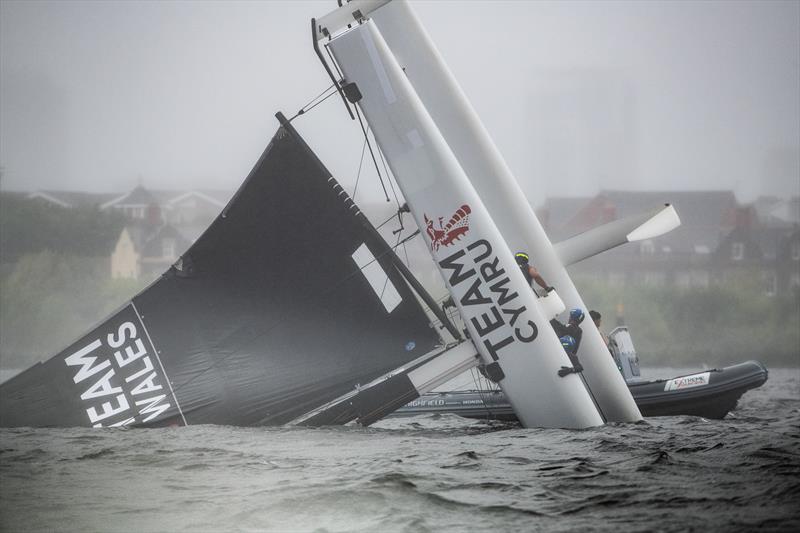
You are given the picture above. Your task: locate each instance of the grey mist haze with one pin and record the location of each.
(578, 96)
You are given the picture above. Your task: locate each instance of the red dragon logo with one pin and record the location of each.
(457, 226)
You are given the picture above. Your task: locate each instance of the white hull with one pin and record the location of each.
(506, 324)
(500, 192)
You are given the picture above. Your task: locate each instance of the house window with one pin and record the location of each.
(796, 251)
(700, 278)
(701, 249)
(168, 248)
(655, 279)
(737, 251)
(794, 281)
(616, 279)
(647, 247)
(770, 283)
(683, 280)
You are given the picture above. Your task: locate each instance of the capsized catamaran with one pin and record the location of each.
(291, 308)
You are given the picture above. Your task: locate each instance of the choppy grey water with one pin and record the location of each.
(435, 473)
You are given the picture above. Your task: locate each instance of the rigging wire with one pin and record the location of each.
(480, 382)
(309, 107)
(317, 100)
(406, 239)
(594, 400)
(331, 86)
(405, 252)
(388, 177)
(386, 282)
(371, 153)
(315, 105)
(360, 164)
(379, 226)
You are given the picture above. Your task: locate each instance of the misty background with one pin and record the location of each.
(579, 97)
(101, 96)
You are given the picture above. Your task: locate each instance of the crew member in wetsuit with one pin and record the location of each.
(596, 318)
(572, 330)
(530, 272)
(571, 347)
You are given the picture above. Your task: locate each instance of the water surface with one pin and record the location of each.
(435, 473)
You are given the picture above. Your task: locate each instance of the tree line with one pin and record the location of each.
(54, 276)
(55, 285)
(32, 225)
(715, 326)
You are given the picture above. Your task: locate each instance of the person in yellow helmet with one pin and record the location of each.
(530, 272)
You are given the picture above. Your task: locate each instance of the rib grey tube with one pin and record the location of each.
(491, 177)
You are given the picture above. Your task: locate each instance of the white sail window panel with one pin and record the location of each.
(377, 278)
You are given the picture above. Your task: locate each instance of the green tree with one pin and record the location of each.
(51, 299)
(718, 325)
(30, 226)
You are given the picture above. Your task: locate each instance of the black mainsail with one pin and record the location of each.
(266, 317)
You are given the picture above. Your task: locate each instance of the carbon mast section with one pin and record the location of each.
(268, 316)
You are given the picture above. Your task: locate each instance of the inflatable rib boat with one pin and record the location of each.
(709, 393)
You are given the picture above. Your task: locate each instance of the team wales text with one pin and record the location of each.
(118, 374)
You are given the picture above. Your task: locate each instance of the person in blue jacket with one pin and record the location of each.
(569, 345)
(570, 336)
(571, 328)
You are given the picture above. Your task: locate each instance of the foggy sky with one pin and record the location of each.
(578, 96)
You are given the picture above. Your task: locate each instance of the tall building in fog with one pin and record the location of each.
(583, 131)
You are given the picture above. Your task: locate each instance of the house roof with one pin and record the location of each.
(217, 198)
(557, 211)
(695, 208)
(705, 216)
(778, 212)
(140, 196)
(72, 198)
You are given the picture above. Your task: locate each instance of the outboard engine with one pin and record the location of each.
(621, 346)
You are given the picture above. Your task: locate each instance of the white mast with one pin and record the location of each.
(502, 314)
